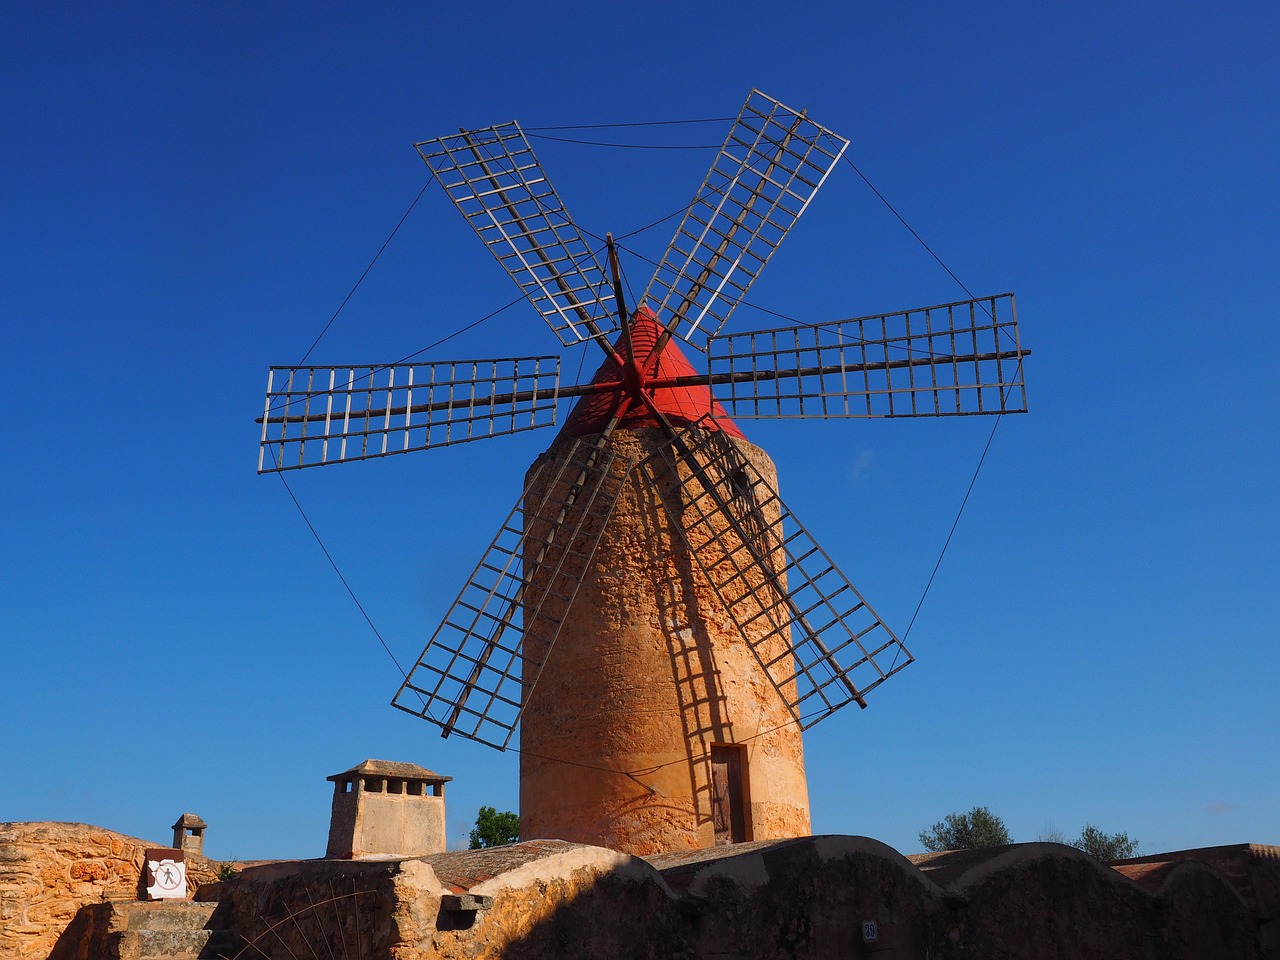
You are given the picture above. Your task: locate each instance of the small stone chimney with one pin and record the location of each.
(188, 835)
(386, 809)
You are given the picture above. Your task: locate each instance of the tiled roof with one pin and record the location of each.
(392, 768)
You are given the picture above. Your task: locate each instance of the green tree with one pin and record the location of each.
(1105, 846)
(494, 829)
(966, 831)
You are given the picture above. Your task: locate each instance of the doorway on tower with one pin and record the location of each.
(730, 809)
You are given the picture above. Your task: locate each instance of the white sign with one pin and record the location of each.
(870, 931)
(168, 879)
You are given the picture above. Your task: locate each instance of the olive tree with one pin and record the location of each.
(966, 831)
(1105, 846)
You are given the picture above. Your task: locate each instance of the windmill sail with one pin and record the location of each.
(820, 643)
(317, 415)
(810, 632)
(497, 184)
(477, 671)
(772, 163)
(952, 359)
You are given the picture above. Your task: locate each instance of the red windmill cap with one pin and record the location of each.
(680, 404)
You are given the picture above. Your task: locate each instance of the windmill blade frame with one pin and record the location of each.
(494, 179)
(951, 359)
(775, 581)
(316, 415)
(773, 161)
(479, 668)
(809, 630)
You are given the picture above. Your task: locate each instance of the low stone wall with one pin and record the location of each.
(551, 898)
(807, 898)
(1046, 900)
(776, 900)
(544, 898)
(48, 871)
(804, 899)
(1253, 869)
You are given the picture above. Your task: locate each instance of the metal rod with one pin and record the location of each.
(623, 318)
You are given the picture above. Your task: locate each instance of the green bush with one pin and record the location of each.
(494, 829)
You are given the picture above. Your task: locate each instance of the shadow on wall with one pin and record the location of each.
(825, 898)
(816, 898)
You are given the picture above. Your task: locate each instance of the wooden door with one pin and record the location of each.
(728, 800)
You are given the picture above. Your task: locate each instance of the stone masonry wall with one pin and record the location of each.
(542, 899)
(648, 672)
(802, 899)
(48, 871)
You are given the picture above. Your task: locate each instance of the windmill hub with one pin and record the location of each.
(644, 388)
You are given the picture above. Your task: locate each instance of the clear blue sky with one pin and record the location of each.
(190, 190)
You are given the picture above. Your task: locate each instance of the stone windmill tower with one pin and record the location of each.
(650, 611)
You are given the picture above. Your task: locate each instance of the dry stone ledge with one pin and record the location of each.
(159, 930)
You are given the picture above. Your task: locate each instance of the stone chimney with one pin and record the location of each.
(188, 835)
(386, 809)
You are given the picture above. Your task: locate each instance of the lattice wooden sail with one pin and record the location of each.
(947, 360)
(812, 632)
(816, 638)
(468, 679)
(317, 415)
(497, 184)
(772, 163)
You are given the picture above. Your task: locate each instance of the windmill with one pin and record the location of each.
(650, 612)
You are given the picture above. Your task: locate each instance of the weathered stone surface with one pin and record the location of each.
(140, 930)
(806, 898)
(1047, 900)
(1252, 868)
(547, 898)
(572, 900)
(801, 899)
(297, 908)
(48, 871)
(648, 673)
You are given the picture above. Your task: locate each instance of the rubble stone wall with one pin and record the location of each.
(48, 871)
(803, 899)
(545, 899)
(298, 909)
(648, 672)
(809, 898)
